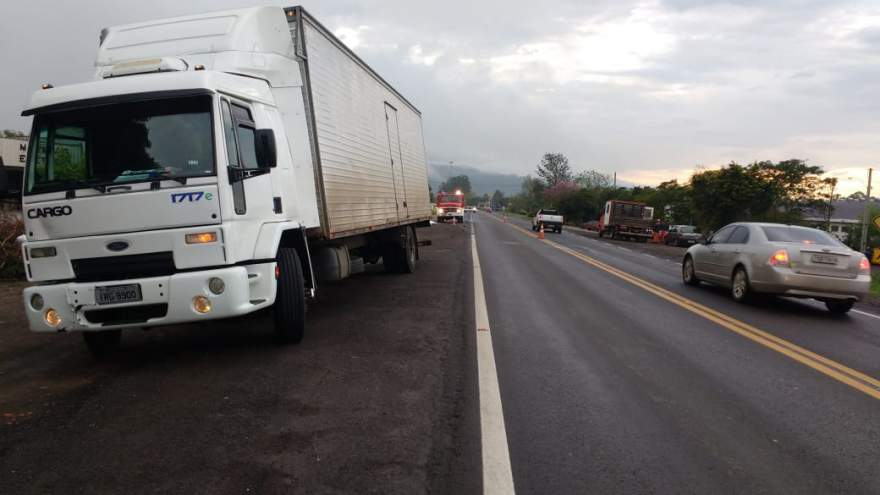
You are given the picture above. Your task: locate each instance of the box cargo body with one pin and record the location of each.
(369, 152)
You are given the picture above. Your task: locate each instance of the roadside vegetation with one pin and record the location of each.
(761, 191)
(11, 266)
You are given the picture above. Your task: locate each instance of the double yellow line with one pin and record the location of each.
(855, 379)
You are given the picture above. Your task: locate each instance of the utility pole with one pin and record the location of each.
(615, 180)
(865, 218)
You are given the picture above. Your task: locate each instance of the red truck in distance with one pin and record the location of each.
(450, 206)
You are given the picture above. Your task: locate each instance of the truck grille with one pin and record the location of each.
(123, 267)
(126, 314)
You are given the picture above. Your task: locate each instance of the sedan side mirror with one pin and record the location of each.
(265, 147)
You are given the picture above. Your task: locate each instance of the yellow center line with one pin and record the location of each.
(855, 379)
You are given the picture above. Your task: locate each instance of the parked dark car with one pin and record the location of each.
(592, 225)
(682, 235)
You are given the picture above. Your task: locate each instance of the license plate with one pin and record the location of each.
(115, 294)
(826, 259)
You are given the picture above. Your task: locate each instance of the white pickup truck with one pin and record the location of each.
(549, 218)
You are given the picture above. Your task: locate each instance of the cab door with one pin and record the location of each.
(252, 193)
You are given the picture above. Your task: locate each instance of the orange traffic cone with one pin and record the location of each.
(541, 232)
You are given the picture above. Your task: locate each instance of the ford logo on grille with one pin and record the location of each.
(117, 246)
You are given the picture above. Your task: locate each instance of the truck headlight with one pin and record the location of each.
(43, 252)
(439, 211)
(37, 302)
(53, 319)
(216, 285)
(201, 304)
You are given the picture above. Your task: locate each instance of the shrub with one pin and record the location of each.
(10, 251)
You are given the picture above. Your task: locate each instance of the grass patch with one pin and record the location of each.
(875, 283)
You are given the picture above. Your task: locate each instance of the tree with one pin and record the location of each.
(554, 169)
(591, 179)
(530, 198)
(498, 199)
(9, 133)
(458, 183)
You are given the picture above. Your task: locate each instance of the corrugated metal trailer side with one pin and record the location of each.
(370, 163)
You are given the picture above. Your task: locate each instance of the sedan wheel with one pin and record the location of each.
(839, 307)
(688, 274)
(740, 286)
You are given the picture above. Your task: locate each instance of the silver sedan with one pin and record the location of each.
(780, 259)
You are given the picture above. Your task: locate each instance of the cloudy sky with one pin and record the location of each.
(649, 89)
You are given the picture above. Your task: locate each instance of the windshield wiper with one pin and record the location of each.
(164, 175)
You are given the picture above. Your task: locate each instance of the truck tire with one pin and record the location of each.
(400, 257)
(102, 344)
(290, 298)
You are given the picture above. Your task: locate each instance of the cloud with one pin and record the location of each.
(647, 88)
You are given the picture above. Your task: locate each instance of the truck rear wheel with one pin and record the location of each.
(102, 344)
(400, 256)
(290, 298)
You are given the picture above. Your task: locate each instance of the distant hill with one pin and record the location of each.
(481, 182)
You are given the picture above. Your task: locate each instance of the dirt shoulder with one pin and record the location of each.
(370, 402)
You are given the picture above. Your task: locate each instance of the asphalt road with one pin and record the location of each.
(608, 384)
(375, 400)
(608, 388)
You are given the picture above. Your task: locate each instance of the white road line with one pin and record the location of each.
(497, 475)
(872, 315)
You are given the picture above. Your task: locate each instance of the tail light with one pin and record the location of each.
(865, 265)
(779, 258)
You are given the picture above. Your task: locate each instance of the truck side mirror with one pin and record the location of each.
(265, 147)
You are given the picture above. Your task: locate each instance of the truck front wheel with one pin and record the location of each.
(102, 344)
(290, 298)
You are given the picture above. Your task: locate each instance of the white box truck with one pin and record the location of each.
(217, 165)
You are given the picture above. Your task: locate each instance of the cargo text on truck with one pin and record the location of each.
(219, 164)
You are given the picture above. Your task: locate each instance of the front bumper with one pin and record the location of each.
(247, 289)
(786, 282)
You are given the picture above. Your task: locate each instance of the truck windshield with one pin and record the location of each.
(121, 143)
(452, 198)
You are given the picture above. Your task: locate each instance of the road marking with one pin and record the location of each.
(497, 475)
(855, 379)
(872, 315)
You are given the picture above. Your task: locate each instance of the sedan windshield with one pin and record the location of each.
(799, 235)
(121, 143)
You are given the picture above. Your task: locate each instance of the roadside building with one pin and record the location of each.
(13, 154)
(845, 213)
